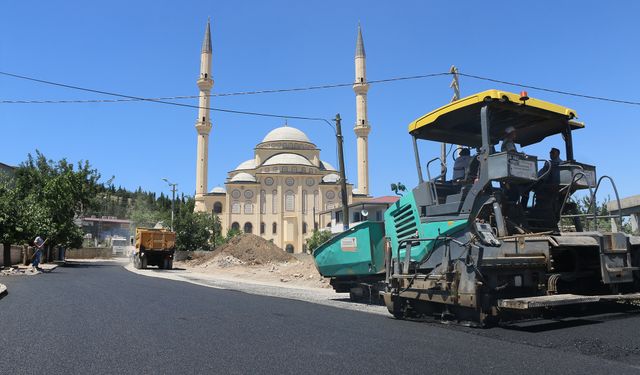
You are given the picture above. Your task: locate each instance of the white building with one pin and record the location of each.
(279, 192)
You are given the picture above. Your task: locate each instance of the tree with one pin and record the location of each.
(10, 223)
(317, 238)
(43, 198)
(196, 230)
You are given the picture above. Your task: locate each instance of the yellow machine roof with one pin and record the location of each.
(459, 122)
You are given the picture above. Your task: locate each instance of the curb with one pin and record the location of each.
(3, 290)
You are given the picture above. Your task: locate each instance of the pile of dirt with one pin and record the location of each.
(253, 250)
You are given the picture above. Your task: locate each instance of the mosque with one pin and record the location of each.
(279, 192)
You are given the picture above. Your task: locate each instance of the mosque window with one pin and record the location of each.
(217, 208)
(290, 181)
(316, 195)
(304, 228)
(304, 202)
(289, 201)
(268, 181)
(248, 194)
(274, 228)
(248, 208)
(235, 208)
(236, 194)
(235, 226)
(262, 226)
(274, 201)
(330, 194)
(263, 202)
(310, 181)
(248, 227)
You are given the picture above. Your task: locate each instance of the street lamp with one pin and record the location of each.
(173, 198)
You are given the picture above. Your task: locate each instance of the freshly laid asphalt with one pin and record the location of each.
(91, 318)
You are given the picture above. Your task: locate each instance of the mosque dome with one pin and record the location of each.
(286, 133)
(243, 177)
(331, 178)
(327, 166)
(249, 164)
(289, 159)
(218, 189)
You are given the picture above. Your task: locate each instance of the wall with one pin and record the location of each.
(16, 254)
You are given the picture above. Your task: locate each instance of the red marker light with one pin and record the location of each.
(524, 96)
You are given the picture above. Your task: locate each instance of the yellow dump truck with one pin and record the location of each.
(154, 247)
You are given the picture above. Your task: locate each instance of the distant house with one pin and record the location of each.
(7, 170)
(370, 210)
(101, 229)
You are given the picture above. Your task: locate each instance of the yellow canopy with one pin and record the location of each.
(459, 122)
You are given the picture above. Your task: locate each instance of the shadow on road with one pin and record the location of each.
(577, 316)
(80, 264)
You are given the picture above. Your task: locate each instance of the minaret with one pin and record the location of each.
(203, 123)
(362, 129)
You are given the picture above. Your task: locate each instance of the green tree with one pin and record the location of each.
(231, 232)
(11, 230)
(196, 230)
(46, 197)
(317, 238)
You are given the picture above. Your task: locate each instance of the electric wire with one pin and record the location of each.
(262, 114)
(163, 100)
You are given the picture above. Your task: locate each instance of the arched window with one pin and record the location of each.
(235, 207)
(274, 202)
(262, 228)
(248, 207)
(316, 203)
(263, 202)
(289, 201)
(289, 248)
(304, 228)
(248, 227)
(274, 228)
(304, 202)
(235, 226)
(217, 208)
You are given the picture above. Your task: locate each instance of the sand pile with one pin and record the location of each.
(252, 258)
(253, 250)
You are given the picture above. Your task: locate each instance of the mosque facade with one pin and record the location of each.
(279, 192)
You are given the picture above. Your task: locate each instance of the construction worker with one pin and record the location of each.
(508, 141)
(461, 165)
(37, 255)
(552, 166)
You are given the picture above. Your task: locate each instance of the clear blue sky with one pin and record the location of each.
(152, 48)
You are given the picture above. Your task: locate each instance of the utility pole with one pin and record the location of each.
(343, 179)
(173, 198)
(456, 96)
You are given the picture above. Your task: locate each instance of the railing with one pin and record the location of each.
(592, 201)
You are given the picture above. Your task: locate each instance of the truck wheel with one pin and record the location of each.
(162, 264)
(170, 264)
(143, 263)
(136, 262)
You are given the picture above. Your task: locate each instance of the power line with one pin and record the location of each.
(620, 101)
(239, 93)
(160, 101)
(163, 100)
